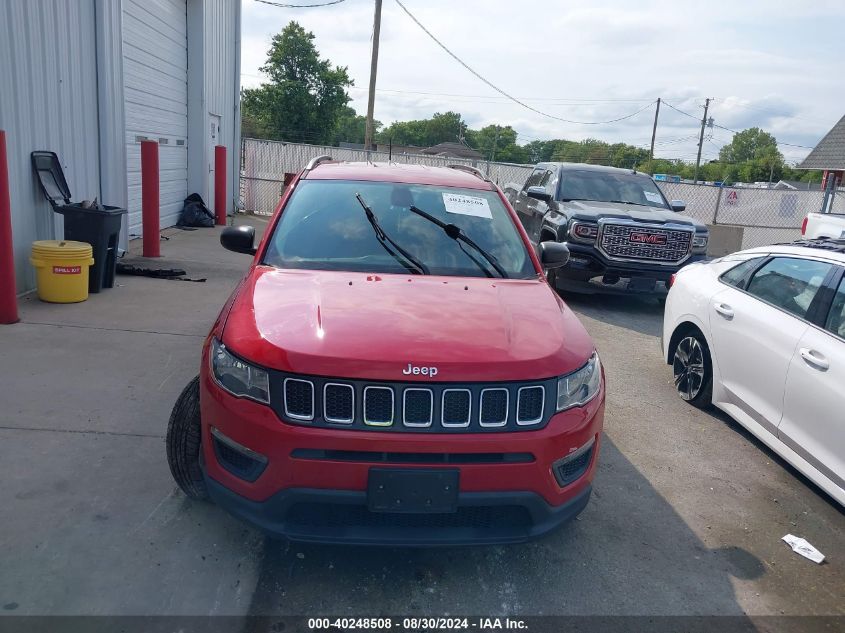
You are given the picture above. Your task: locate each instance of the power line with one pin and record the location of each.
(692, 116)
(502, 92)
(300, 6)
(727, 129)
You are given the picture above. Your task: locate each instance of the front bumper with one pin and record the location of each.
(586, 263)
(313, 485)
(341, 516)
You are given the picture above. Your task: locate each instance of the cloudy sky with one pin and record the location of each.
(773, 64)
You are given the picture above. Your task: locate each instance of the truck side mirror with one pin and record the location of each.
(240, 239)
(538, 193)
(553, 254)
(678, 205)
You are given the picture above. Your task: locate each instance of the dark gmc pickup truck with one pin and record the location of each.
(622, 233)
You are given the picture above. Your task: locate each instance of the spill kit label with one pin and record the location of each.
(67, 270)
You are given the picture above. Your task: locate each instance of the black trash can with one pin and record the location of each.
(99, 227)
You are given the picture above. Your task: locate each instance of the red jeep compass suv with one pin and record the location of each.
(393, 369)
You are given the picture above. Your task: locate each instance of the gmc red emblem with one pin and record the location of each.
(648, 238)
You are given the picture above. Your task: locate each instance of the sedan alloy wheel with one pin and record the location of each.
(689, 369)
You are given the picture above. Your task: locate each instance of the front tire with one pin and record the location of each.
(692, 370)
(184, 442)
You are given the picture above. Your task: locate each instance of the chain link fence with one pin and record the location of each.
(768, 215)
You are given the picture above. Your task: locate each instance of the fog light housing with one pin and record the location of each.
(572, 467)
(236, 459)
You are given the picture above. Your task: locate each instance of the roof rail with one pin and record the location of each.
(316, 161)
(836, 245)
(470, 170)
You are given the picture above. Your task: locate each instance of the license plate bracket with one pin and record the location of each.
(413, 491)
(642, 284)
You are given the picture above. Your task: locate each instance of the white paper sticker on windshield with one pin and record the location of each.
(467, 205)
(652, 196)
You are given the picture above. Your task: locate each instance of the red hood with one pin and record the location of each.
(357, 325)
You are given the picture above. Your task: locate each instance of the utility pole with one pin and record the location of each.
(653, 134)
(701, 139)
(368, 133)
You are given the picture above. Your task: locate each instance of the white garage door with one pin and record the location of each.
(155, 69)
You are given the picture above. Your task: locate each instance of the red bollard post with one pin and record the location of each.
(150, 216)
(8, 298)
(220, 184)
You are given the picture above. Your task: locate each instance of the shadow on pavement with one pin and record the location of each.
(770, 454)
(640, 313)
(628, 553)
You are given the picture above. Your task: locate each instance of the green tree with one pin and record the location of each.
(351, 127)
(497, 142)
(305, 97)
(440, 128)
(751, 144)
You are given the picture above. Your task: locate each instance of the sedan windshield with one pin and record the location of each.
(602, 186)
(324, 227)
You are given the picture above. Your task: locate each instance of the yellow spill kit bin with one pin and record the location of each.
(61, 270)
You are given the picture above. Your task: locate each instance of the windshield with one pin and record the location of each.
(610, 187)
(324, 227)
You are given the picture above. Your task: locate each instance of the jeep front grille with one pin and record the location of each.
(456, 407)
(630, 241)
(339, 402)
(378, 406)
(529, 409)
(299, 398)
(494, 407)
(412, 406)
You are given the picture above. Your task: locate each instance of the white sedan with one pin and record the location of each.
(760, 334)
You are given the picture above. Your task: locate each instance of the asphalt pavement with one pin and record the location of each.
(686, 518)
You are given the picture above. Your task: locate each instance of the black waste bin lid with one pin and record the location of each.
(51, 176)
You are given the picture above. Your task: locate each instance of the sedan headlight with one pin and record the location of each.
(237, 377)
(581, 386)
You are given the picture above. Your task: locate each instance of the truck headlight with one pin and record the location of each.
(237, 377)
(699, 242)
(583, 231)
(581, 386)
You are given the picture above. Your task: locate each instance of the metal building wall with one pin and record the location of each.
(48, 61)
(222, 79)
(155, 75)
(213, 92)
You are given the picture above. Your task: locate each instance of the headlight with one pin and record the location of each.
(699, 241)
(584, 231)
(580, 386)
(238, 377)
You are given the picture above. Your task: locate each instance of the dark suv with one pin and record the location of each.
(622, 232)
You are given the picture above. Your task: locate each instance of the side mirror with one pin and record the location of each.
(240, 239)
(678, 205)
(538, 193)
(553, 254)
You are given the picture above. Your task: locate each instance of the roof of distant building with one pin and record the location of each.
(453, 150)
(830, 151)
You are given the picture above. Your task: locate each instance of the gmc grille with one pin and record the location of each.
(413, 407)
(646, 243)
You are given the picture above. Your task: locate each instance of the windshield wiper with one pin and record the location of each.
(639, 204)
(410, 262)
(457, 234)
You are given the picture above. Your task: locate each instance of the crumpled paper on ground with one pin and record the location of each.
(801, 546)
